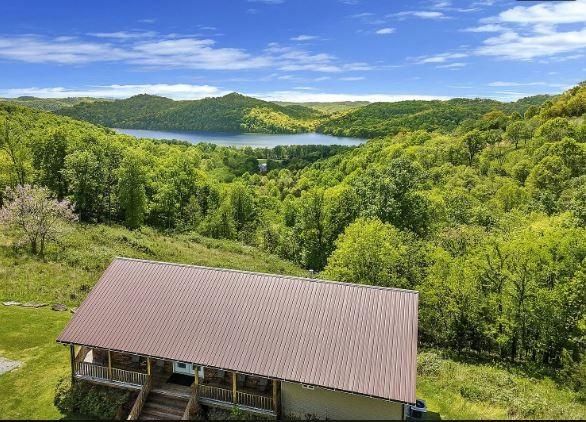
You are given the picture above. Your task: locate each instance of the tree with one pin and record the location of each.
(34, 215)
(474, 142)
(12, 143)
(49, 152)
(518, 131)
(131, 190)
(370, 252)
(86, 182)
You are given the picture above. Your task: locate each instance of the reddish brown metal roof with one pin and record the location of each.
(350, 337)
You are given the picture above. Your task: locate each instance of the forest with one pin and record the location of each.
(230, 113)
(478, 206)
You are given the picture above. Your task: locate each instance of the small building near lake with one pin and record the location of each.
(272, 345)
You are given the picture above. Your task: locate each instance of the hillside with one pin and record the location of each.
(48, 104)
(381, 119)
(328, 107)
(230, 113)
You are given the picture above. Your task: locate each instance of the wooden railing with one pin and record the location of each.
(129, 377)
(91, 370)
(215, 393)
(254, 400)
(191, 408)
(140, 400)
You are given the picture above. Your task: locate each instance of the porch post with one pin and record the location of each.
(276, 399)
(72, 357)
(109, 365)
(148, 365)
(234, 387)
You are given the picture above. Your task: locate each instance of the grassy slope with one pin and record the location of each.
(458, 390)
(71, 268)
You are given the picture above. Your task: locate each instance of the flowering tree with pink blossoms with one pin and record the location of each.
(34, 215)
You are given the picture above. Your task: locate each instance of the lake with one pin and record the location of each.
(244, 139)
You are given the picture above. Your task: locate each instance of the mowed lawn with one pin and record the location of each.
(28, 335)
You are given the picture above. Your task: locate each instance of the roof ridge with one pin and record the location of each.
(286, 276)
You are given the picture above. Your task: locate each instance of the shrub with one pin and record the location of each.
(89, 400)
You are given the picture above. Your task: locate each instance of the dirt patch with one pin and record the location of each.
(7, 365)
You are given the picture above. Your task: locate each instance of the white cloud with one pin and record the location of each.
(440, 58)
(549, 13)
(175, 91)
(528, 32)
(171, 51)
(423, 14)
(385, 31)
(353, 78)
(491, 27)
(304, 37)
(297, 96)
(513, 45)
(452, 66)
(123, 35)
(508, 84)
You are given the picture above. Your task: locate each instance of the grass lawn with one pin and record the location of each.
(28, 335)
(72, 267)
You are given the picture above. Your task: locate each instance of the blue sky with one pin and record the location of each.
(299, 50)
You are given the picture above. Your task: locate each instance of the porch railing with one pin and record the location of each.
(140, 400)
(256, 401)
(215, 393)
(91, 370)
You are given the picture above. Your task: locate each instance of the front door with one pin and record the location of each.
(183, 368)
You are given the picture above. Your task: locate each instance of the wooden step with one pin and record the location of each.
(160, 407)
(156, 415)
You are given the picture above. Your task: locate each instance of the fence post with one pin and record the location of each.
(234, 387)
(109, 365)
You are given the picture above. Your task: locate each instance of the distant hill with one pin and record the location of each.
(230, 113)
(380, 119)
(48, 104)
(329, 107)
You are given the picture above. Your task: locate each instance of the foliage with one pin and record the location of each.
(89, 399)
(382, 119)
(230, 113)
(34, 215)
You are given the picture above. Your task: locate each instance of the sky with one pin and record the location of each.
(292, 50)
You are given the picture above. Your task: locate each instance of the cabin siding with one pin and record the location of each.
(321, 403)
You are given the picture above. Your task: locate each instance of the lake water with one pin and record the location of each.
(244, 139)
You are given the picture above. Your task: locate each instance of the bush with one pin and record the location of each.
(89, 400)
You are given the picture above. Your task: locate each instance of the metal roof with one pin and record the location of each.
(350, 337)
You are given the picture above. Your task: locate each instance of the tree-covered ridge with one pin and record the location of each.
(48, 104)
(230, 113)
(382, 119)
(328, 107)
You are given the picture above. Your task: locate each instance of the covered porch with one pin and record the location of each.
(207, 386)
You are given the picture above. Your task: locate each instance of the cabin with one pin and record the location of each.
(183, 336)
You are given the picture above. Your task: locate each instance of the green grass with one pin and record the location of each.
(459, 390)
(72, 267)
(28, 335)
